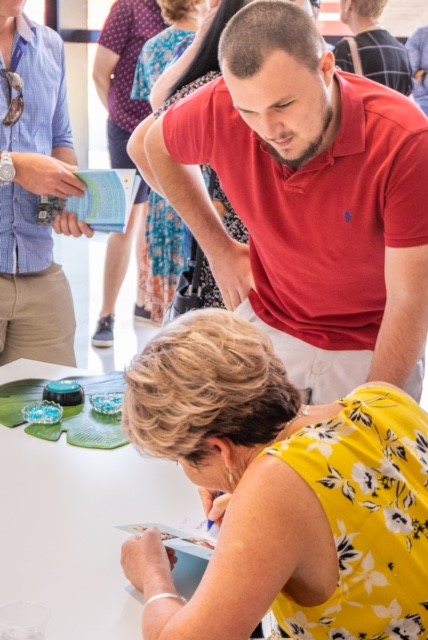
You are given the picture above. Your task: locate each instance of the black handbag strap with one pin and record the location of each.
(197, 253)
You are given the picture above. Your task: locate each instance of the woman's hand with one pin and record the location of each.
(145, 556)
(206, 21)
(214, 504)
(420, 75)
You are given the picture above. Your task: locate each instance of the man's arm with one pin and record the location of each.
(404, 327)
(104, 64)
(184, 187)
(65, 154)
(43, 175)
(53, 175)
(67, 223)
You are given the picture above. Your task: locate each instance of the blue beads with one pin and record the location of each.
(107, 403)
(43, 412)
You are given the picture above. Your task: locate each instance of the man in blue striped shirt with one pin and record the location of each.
(37, 157)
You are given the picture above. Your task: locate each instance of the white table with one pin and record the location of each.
(59, 506)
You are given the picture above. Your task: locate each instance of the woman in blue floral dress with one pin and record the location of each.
(163, 257)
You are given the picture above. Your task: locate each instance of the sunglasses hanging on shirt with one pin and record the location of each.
(16, 102)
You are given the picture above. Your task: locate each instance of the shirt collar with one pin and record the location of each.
(351, 136)
(23, 27)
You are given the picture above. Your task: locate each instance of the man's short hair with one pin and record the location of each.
(265, 26)
(369, 8)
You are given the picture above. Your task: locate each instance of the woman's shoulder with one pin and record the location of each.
(376, 387)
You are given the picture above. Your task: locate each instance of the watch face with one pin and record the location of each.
(7, 173)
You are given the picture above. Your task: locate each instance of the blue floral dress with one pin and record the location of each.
(163, 257)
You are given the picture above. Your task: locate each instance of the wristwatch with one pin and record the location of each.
(7, 170)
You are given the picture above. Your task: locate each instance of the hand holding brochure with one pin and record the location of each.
(195, 541)
(106, 204)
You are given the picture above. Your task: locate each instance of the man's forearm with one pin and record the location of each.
(184, 187)
(65, 154)
(400, 344)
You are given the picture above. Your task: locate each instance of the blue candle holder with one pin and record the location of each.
(67, 393)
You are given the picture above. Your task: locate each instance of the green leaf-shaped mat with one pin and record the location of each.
(84, 426)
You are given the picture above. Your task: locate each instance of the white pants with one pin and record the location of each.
(330, 374)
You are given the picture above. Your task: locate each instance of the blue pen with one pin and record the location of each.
(211, 522)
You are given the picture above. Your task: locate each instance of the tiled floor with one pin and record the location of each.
(83, 262)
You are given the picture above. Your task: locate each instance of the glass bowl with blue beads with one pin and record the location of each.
(107, 403)
(43, 412)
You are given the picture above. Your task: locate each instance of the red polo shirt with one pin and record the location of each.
(318, 235)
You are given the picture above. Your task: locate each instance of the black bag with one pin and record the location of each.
(189, 292)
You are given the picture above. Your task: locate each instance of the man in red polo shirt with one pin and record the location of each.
(328, 172)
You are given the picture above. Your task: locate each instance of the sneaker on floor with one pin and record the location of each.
(141, 314)
(103, 336)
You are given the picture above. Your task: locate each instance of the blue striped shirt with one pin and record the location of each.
(25, 246)
(417, 47)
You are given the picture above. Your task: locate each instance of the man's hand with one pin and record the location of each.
(44, 175)
(232, 273)
(69, 225)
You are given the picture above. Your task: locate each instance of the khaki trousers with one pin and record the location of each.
(37, 317)
(330, 374)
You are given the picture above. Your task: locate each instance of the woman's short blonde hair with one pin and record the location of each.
(207, 374)
(174, 10)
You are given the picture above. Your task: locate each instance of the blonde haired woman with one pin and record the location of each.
(328, 518)
(382, 57)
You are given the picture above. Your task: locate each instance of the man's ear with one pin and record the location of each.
(327, 66)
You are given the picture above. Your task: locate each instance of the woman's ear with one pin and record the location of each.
(347, 5)
(223, 449)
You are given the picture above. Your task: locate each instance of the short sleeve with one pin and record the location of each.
(189, 125)
(117, 27)
(406, 206)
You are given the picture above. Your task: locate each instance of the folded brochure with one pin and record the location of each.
(197, 542)
(106, 204)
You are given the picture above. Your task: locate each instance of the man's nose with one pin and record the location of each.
(271, 126)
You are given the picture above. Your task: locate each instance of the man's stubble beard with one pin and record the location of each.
(311, 151)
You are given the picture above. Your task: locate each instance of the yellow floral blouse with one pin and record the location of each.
(369, 468)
